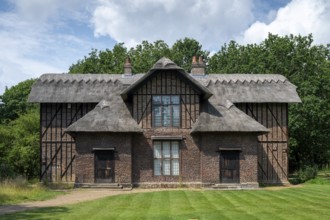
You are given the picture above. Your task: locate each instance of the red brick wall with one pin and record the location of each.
(134, 156)
(210, 144)
(85, 156)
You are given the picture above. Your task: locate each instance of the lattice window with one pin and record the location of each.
(166, 158)
(166, 110)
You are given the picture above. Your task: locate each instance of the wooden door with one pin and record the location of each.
(104, 166)
(229, 166)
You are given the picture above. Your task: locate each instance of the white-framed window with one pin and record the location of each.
(166, 158)
(166, 110)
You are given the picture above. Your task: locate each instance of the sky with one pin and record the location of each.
(48, 36)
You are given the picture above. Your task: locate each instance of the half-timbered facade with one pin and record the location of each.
(164, 128)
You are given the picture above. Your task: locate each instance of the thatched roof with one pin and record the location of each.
(106, 117)
(253, 88)
(221, 118)
(88, 88)
(167, 64)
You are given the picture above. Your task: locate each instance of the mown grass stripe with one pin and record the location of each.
(139, 205)
(217, 201)
(202, 205)
(157, 209)
(277, 209)
(180, 204)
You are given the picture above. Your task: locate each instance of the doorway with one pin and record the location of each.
(104, 166)
(229, 166)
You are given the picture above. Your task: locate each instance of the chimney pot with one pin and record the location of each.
(198, 68)
(127, 67)
(194, 60)
(200, 60)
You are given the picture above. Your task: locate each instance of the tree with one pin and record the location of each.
(19, 132)
(19, 146)
(15, 101)
(182, 52)
(108, 61)
(143, 56)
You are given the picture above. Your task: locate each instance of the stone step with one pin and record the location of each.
(227, 186)
(112, 186)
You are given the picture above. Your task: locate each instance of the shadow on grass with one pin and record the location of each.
(36, 214)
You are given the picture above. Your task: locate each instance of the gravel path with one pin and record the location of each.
(75, 196)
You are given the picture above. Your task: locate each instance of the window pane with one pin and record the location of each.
(176, 116)
(156, 100)
(157, 167)
(157, 119)
(166, 116)
(175, 149)
(175, 167)
(157, 149)
(166, 149)
(166, 167)
(166, 100)
(175, 99)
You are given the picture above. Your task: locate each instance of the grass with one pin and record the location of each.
(311, 201)
(18, 191)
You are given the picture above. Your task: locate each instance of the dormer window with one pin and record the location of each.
(166, 111)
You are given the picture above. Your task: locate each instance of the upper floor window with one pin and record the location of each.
(166, 110)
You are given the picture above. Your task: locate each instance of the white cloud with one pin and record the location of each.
(298, 17)
(37, 36)
(212, 22)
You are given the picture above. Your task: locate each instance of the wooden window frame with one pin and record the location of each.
(170, 158)
(171, 116)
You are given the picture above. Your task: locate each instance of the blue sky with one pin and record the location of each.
(47, 36)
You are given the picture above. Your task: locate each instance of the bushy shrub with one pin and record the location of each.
(304, 174)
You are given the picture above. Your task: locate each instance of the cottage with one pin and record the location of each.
(164, 128)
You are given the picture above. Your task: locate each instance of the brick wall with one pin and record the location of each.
(199, 157)
(210, 144)
(85, 156)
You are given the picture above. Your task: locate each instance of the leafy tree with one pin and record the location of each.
(108, 61)
(182, 52)
(143, 56)
(19, 146)
(15, 101)
(19, 132)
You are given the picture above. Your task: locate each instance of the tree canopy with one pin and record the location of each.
(19, 133)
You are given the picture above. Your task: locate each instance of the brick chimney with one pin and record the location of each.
(128, 67)
(198, 67)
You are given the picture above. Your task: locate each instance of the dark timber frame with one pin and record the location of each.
(272, 147)
(57, 149)
(165, 83)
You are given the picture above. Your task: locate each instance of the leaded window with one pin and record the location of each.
(166, 158)
(166, 110)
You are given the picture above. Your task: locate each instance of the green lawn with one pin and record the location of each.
(312, 201)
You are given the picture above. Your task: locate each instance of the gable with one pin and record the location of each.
(164, 67)
(165, 83)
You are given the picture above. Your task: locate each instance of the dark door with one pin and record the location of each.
(229, 166)
(104, 166)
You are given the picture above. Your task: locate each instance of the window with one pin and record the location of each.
(166, 111)
(166, 158)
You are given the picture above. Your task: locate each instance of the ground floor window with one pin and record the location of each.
(166, 158)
